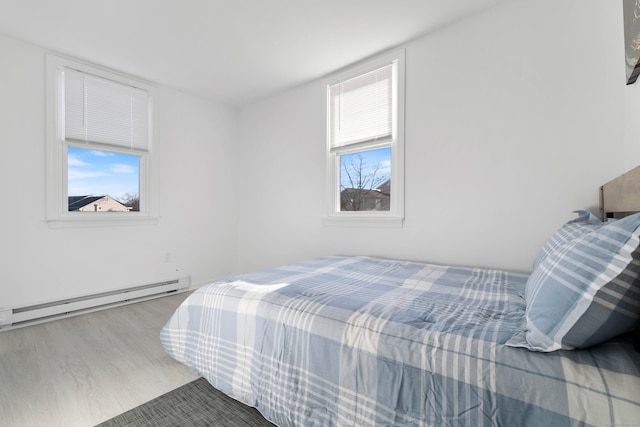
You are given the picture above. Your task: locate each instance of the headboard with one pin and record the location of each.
(621, 195)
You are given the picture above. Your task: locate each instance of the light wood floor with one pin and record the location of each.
(83, 370)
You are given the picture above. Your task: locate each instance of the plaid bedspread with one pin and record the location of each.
(357, 341)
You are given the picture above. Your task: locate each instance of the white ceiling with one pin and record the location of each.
(231, 51)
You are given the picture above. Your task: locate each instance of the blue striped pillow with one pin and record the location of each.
(586, 291)
(585, 223)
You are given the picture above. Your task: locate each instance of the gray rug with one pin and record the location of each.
(194, 404)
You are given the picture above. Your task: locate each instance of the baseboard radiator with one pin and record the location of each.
(38, 313)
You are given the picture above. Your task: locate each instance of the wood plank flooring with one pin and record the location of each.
(83, 370)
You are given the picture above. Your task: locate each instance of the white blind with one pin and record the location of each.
(105, 112)
(360, 108)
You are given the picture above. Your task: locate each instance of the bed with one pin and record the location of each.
(362, 341)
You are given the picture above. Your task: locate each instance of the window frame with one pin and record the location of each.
(394, 217)
(58, 214)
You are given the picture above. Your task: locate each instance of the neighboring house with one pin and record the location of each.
(360, 199)
(96, 204)
(385, 187)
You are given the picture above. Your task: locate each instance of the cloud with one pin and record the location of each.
(122, 168)
(385, 167)
(75, 161)
(76, 174)
(101, 153)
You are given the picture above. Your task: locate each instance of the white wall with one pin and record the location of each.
(632, 126)
(197, 231)
(513, 119)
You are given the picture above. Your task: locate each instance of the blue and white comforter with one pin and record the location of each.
(357, 341)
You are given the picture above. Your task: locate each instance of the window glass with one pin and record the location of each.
(102, 181)
(365, 180)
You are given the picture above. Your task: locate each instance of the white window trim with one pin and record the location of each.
(57, 167)
(395, 216)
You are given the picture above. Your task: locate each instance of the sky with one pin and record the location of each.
(100, 173)
(371, 158)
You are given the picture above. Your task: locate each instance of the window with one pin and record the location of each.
(99, 146)
(365, 144)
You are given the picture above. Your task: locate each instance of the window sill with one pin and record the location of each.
(363, 220)
(102, 221)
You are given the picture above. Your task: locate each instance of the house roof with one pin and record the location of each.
(231, 51)
(385, 187)
(77, 202)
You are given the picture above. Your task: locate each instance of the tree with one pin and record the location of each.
(359, 186)
(132, 201)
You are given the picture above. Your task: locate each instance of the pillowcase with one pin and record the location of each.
(585, 291)
(585, 223)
